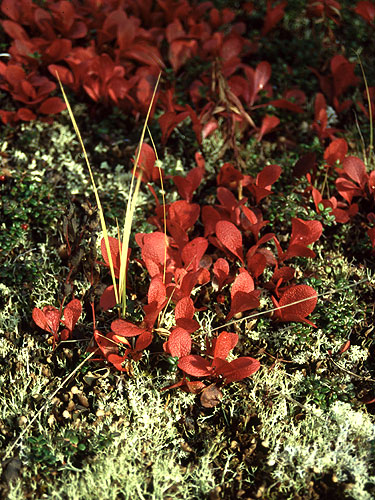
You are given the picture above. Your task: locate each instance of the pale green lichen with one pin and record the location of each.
(337, 441)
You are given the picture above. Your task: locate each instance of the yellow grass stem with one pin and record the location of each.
(101, 214)
(371, 146)
(130, 210)
(164, 210)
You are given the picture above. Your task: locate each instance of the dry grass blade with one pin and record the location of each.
(101, 214)
(130, 208)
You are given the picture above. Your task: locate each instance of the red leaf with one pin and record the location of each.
(273, 16)
(107, 346)
(154, 247)
(25, 114)
(72, 312)
(193, 252)
(344, 347)
(123, 328)
(221, 272)
(256, 264)
(146, 163)
(268, 176)
(156, 292)
(187, 185)
(243, 283)
(249, 214)
(304, 165)
(108, 298)
(52, 106)
(229, 176)
(238, 369)
(52, 317)
(285, 104)
(366, 10)
(269, 122)
(355, 169)
(210, 217)
(184, 214)
(143, 341)
(180, 51)
(195, 365)
(184, 309)
(257, 79)
(243, 295)
(306, 297)
(230, 237)
(303, 233)
(40, 319)
(169, 121)
(336, 151)
(223, 344)
(179, 343)
(114, 248)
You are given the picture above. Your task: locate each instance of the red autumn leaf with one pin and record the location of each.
(243, 283)
(238, 369)
(354, 168)
(184, 214)
(249, 214)
(108, 298)
(195, 365)
(221, 273)
(48, 319)
(307, 299)
(229, 176)
(336, 151)
(258, 79)
(366, 10)
(52, 106)
(106, 345)
(156, 292)
(180, 51)
(230, 237)
(371, 235)
(169, 121)
(179, 343)
(223, 344)
(268, 176)
(187, 185)
(40, 319)
(146, 163)
(143, 341)
(155, 247)
(269, 122)
(243, 295)
(184, 309)
(344, 347)
(285, 104)
(256, 264)
(193, 252)
(273, 16)
(123, 328)
(304, 164)
(303, 233)
(25, 114)
(114, 248)
(72, 312)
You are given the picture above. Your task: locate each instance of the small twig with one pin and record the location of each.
(367, 379)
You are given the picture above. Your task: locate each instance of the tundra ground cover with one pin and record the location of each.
(267, 169)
